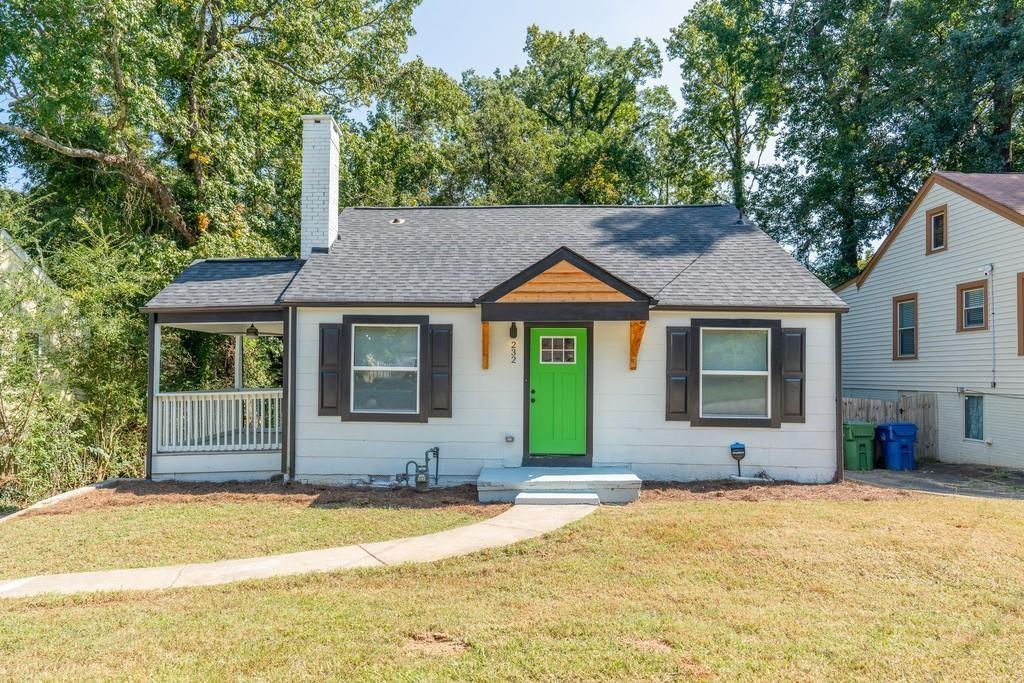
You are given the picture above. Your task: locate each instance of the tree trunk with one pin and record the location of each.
(1002, 100)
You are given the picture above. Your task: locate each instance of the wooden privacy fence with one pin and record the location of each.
(917, 408)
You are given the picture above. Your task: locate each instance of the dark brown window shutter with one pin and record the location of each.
(329, 385)
(440, 371)
(794, 361)
(677, 374)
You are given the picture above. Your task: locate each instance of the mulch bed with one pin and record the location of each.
(461, 498)
(728, 490)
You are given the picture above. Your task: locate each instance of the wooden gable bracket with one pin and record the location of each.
(636, 335)
(485, 345)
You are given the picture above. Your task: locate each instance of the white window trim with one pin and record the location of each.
(738, 373)
(964, 307)
(963, 422)
(382, 368)
(575, 350)
(899, 337)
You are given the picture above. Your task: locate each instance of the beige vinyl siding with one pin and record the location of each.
(945, 359)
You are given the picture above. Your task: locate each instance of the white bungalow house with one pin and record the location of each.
(939, 309)
(642, 340)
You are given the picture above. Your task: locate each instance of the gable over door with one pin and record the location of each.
(563, 282)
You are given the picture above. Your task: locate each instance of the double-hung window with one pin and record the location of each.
(735, 381)
(904, 327)
(385, 368)
(972, 306)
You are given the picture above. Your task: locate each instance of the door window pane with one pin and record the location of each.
(734, 350)
(974, 417)
(557, 350)
(735, 395)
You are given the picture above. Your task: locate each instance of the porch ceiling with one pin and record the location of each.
(266, 329)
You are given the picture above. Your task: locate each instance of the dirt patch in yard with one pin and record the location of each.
(653, 492)
(459, 498)
(435, 644)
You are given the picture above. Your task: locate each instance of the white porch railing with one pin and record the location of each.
(228, 420)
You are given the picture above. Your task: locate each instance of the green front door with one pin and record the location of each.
(558, 391)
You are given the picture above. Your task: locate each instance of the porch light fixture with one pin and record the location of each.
(251, 331)
(513, 331)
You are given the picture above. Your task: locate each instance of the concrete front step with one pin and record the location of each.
(556, 498)
(610, 484)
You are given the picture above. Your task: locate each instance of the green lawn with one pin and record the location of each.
(921, 588)
(118, 529)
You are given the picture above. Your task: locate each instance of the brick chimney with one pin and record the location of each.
(319, 207)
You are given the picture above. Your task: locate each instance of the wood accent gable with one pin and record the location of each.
(636, 336)
(966, 287)
(485, 345)
(563, 282)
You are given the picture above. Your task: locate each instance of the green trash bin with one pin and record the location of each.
(859, 445)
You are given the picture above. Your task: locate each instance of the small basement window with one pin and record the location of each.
(734, 376)
(935, 229)
(904, 327)
(385, 368)
(972, 306)
(974, 417)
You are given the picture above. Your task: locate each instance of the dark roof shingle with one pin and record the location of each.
(1003, 188)
(700, 256)
(227, 283)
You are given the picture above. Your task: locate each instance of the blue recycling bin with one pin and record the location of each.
(897, 440)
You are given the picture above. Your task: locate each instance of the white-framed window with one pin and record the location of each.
(973, 302)
(557, 350)
(735, 381)
(385, 368)
(974, 417)
(904, 326)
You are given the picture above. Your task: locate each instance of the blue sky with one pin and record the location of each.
(456, 35)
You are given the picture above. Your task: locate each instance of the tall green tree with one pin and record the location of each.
(187, 108)
(730, 53)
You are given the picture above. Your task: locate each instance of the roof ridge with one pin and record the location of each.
(538, 206)
(246, 259)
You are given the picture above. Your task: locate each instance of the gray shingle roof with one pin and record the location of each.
(698, 256)
(227, 283)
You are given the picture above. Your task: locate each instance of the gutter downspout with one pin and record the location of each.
(992, 316)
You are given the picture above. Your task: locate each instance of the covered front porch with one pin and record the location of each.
(238, 432)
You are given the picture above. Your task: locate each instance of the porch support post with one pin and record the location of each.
(239, 361)
(152, 389)
(286, 388)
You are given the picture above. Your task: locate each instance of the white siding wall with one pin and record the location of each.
(946, 359)
(217, 466)
(629, 407)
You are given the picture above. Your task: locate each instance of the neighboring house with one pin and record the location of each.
(14, 259)
(647, 337)
(939, 309)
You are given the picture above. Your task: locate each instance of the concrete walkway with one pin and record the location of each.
(976, 481)
(516, 524)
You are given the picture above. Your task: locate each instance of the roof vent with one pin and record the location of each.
(397, 221)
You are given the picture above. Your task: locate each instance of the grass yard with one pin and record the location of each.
(141, 524)
(782, 583)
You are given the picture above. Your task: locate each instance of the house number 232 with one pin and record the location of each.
(514, 351)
